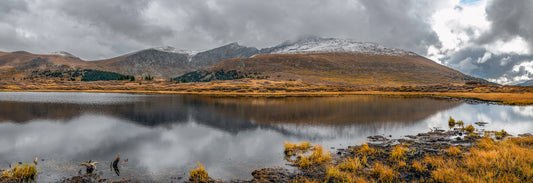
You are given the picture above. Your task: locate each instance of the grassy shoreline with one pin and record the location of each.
(456, 155)
(500, 98)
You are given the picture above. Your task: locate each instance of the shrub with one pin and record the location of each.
(317, 157)
(351, 164)
(365, 150)
(384, 173)
(334, 172)
(451, 122)
(290, 149)
(453, 151)
(469, 129)
(199, 174)
(22, 173)
(398, 153)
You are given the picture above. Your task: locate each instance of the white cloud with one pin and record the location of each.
(485, 57)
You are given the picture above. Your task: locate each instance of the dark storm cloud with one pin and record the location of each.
(101, 28)
(9, 6)
(264, 23)
(121, 17)
(509, 18)
(470, 60)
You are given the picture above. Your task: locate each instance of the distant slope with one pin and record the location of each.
(168, 62)
(526, 83)
(148, 62)
(333, 45)
(352, 69)
(165, 62)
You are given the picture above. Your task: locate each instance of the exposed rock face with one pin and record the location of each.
(211, 57)
(149, 62)
(168, 63)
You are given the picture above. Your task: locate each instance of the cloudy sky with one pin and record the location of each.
(492, 39)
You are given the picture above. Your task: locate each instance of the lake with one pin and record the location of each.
(164, 136)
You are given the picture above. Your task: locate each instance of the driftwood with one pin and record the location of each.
(90, 166)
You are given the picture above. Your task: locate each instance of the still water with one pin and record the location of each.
(163, 136)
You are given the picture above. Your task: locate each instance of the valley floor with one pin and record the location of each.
(510, 95)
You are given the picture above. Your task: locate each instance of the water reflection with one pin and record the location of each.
(164, 135)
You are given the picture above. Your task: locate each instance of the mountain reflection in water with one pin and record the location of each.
(164, 135)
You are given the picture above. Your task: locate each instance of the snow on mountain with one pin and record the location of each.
(178, 51)
(63, 53)
(329, 45)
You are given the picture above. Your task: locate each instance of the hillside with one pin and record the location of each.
(164, 62)
(325, 61)
(526, 83)
(343, 69)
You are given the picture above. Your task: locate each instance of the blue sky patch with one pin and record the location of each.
(468, 1)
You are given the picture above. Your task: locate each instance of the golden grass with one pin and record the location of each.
(417, 166)
(24, 172)
(504, 98)
(453, 151)
(398, 153)
(253, 88)
(336, 173)
(351, 164)
(384, 172)
(451, 122)
(199, 174)
(469, 129)
(317, 157)
(291, 149)
(365, 150)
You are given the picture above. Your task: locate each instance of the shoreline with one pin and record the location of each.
(493, 97)
(462, 153)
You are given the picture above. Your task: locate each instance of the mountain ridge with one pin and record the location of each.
(322, 60)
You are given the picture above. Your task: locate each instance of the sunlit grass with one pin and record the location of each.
(469, 129)
(384, 172)
(290, 149)
(199, 174)
(453, 151)
(317, 157)
(24, 172)
(351, 164)
(398, 153)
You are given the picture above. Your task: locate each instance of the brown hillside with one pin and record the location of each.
(345, 69)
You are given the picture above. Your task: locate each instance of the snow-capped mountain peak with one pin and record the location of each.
(178, 51)
(63, 53)
(329, 45)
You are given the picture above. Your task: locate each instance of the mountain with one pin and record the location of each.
(526, 83)
(161, 62)
(334, 62)
(148, 62)
(211, 57)
(166, 62)
(333, 45)
(327, 61)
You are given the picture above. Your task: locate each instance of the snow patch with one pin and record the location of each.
(63, 53)
(179, 51)
(170, 49)
(329, 45)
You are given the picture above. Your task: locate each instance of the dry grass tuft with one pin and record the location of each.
(451, 122)
(398, 153)
(22, 173)
(384, 173)
(365, 150)
(469, 129)
(453, 151)
(291, 149)
(199, 174)
(319, 156)
(339, 176)
(351, 164)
